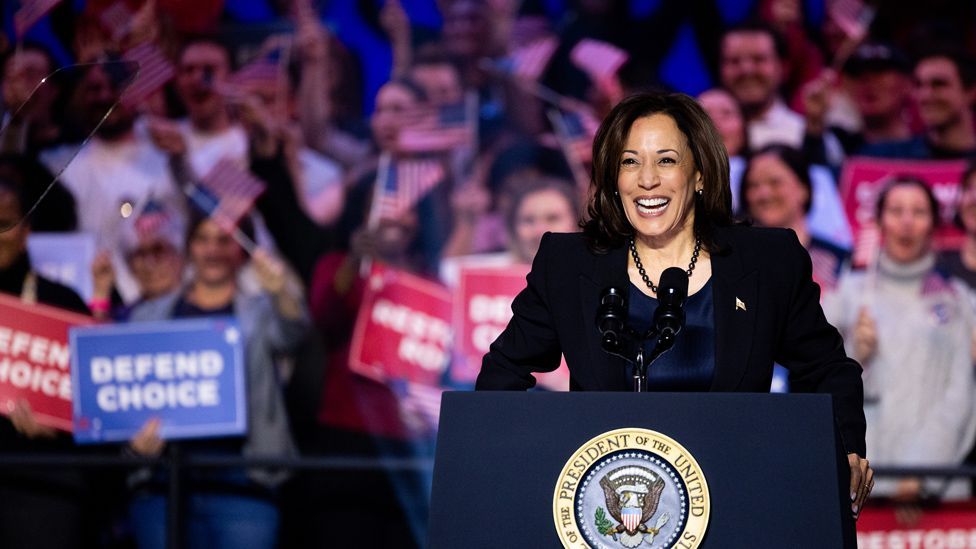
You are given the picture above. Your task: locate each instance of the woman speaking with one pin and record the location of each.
(661, 199)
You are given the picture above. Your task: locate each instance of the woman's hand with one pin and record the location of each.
(276, 279)
(865, 336)
(103, 275)
(271, 273)
(26, 423)
(816, 101)
(166, 135)
(146, 442)
(862, 482)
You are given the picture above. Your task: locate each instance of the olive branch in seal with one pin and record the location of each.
(603, 525)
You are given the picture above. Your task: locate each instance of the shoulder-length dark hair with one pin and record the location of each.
(607, 226)
(904, 180)
(793, 159)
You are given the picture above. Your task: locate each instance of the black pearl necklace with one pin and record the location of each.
(643, 273)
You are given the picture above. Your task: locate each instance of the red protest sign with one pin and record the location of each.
(403, 330)
(862, 180)
(35, 359)
(482, 309)
(947, 525)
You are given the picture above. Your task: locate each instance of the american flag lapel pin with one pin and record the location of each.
(740, 305)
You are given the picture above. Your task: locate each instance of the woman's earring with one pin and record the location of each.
(700, 192)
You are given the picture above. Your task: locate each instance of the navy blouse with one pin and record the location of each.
(690, 363)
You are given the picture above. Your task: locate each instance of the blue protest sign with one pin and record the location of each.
(187, 373)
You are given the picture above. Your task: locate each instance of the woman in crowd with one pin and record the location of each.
(961, 263)
(153, 247)
(30, 497)
(777, 192)
(661, 199)
(533, 206)
(726, 113)
(910, 325)
(358, 415)
(227, 508)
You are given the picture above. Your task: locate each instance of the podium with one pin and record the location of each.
(773, 471)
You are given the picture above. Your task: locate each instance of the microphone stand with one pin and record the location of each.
(664, 342)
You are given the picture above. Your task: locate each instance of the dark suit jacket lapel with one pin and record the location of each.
(604, 372)
(735, 289)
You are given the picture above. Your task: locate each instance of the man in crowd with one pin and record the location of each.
(877, 80)
(752, 69)
(120, 170)
(945, 87)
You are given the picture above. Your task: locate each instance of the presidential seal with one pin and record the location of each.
(631, 488)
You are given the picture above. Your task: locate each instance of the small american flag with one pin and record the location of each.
(826, 267)
(151, 221)
(529, 61)
(30, 12)
(154, 72)
(597, 59)
(408, 182)
(420, 402)
(117, 19)
(853, 17)
(227, 193)
(936, 283)
(438, 129)
(867, 245)
(266, 69)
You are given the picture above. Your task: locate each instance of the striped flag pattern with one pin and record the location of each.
(117, 19)
(266, 69)
(529, 61)
(631, 518)
(599, 60)
(422, 401)
(853, 17)
(150, 222)
(154, 72)
(438, 129)
(408, 183)
(30, 12)
(227, 193)
(867, 245)
(826, 268)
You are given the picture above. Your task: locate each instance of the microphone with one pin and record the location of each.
(672, 291)
(611, 318)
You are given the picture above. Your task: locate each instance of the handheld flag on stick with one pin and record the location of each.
(117, 20)
(226, 194)
(409, 182)
(531, 60)
(30, 12)
(854, 19)
(154, 72)
(266, 69)
(599, 60)
(438, 129)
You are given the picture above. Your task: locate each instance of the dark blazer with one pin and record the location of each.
(779, 319)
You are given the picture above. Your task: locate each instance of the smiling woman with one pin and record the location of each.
(661, 198)
(911, 324)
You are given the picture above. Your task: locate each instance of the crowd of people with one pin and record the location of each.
(515, 91)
